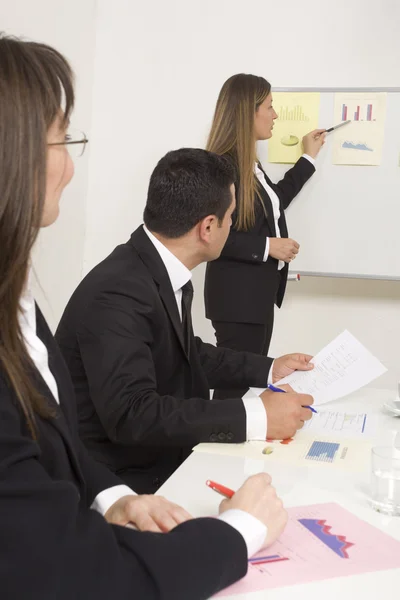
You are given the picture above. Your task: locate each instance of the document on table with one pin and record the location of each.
(341, 368)
(321, 541)
(339, 424)
(332, 452)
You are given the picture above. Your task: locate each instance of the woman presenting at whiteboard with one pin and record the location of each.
(244, 284)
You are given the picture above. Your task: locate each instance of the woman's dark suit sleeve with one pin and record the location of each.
(293, 181)
(239, 286)
(244, 246)
(52, 547)
(247, 246)
(97, 477)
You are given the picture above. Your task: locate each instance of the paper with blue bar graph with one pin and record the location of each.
(321, 541)
(361, 141)
(304, 450)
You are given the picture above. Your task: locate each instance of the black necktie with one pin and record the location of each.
(187, 297)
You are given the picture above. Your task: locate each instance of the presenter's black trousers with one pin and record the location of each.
(251, 337)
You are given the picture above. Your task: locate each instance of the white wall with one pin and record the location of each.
(159, 67)
(70, 27)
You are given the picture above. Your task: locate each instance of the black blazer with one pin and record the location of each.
(53, 547)
(142, 402)
(239, 286)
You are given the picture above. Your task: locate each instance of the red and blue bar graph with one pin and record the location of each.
(262, 560)
(357, 112)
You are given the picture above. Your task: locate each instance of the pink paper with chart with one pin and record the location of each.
(320, 542)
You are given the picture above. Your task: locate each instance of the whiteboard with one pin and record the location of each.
(347, 218)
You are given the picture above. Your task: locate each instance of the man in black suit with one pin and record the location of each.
(141, 377)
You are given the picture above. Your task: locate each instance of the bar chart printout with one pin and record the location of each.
(298, 113)
(360, 142)
(294, 114)
(357, 115)
(321, 541)
(322, 451)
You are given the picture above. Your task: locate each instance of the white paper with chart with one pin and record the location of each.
(361, 141)
(301, 451)
(341, 368)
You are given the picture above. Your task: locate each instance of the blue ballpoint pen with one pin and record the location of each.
(276, 389)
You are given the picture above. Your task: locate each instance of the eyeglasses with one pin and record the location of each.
(75, 140)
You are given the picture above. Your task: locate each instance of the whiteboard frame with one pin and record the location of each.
(322, 90)
(344, 275)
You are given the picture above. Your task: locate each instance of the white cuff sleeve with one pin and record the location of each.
(256, 419)
(107, 498)
(266, 252)
(252, 530)
(310, 158)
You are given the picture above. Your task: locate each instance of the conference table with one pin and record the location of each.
(300, 486)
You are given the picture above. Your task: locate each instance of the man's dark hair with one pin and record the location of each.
(186, 186)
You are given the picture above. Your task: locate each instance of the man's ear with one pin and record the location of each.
(206, 226)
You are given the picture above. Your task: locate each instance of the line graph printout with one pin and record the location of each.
(298, 113)
(360, 142)
(339, 423)
(320, 542)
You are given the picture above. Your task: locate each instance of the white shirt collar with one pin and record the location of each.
(34, 345)
(257, 169)
(177, 272)
(27, 315)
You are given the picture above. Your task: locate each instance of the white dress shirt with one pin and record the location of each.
(275, 206)
(251, 529)
(256, 417)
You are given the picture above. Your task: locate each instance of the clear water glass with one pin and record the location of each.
(385, 481)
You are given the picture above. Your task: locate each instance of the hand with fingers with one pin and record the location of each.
(286, 413)
(146, 513)
(288, 363)
(284, 249)
(258, 497)
(313, 142)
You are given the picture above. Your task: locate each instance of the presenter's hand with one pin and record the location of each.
(283, 249)
(257, 497)
(313, 142)
(147, 513)
(287, 364)
(285, 412)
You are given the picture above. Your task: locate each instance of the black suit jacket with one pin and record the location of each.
(239, 286)
(53, 547)
(142, 402)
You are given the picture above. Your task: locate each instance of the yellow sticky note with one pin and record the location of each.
(298, 113)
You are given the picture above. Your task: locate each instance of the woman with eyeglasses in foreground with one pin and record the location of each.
(59, 510)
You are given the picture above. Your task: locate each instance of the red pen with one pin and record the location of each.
(221, 489)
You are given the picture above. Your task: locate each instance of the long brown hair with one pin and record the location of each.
(35, 81)
(232, 133)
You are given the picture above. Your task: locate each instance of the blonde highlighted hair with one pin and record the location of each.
(232, 133)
